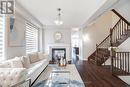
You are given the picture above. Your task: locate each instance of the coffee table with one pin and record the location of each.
(61, 77)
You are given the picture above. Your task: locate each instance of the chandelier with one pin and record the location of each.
(58, 21)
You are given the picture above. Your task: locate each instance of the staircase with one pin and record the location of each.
(118, 34)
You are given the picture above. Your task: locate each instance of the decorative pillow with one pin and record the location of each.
(33, 57)
(40, 55)
(45, 56)
(25, 61)
(16, 63)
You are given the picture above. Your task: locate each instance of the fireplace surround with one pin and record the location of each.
(57, 53)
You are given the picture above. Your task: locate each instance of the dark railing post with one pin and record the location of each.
(96, 58)
(111, 50)
(111, 31)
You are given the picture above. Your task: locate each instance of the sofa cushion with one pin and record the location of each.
(16, 63)
(36, 68)
(42, 55)
(33, 57)
(11, 76)
(5, 64)
(25, 61)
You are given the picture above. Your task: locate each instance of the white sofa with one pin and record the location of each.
(18, 69)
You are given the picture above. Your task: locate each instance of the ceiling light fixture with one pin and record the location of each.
(58, 21)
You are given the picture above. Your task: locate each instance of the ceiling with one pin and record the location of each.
(74, 12)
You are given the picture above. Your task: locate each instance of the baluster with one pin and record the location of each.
(125, 63)
(120, 61)
(96, 59)
(122, 26)
(125, 28)
(115, 37)
(111, 34)
(117, 31)
(117, 60)
(120, 29)
(128, 62)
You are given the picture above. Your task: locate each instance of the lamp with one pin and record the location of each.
(58, 21)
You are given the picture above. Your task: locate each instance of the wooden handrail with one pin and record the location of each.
(120, 16)
(116, 24)
(103, 40)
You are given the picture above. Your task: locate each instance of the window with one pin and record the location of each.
(31, 38)
(1, 38)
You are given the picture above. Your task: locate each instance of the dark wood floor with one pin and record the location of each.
(97, 76)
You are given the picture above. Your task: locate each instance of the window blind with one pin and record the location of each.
(1, 38)
(31, 38)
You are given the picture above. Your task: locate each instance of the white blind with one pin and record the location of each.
(1, 38)
(31, 38)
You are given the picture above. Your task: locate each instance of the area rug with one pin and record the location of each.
(74, 78)
(73, 83)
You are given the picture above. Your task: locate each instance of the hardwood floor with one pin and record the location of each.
(97, 76)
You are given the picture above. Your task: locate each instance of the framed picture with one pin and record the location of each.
(16, 33)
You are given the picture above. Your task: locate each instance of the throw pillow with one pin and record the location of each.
(42, 56)
(25, 61)
(16, 63)
(33, 57)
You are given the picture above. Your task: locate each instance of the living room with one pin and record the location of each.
(64, 43)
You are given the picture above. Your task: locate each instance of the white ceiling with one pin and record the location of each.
(74, 12)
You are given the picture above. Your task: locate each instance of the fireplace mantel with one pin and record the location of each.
(59, 44)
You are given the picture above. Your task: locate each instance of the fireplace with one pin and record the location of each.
(57, 53)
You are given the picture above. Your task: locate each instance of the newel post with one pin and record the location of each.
(111, 31)
(96, 54)
(111, 50)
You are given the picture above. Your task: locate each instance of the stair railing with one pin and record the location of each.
(121, 63)
(119, 33)
(121, 30)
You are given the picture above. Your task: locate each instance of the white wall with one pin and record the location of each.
(123, 7)
(49, 37)
(12, 51)
(95, 33)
